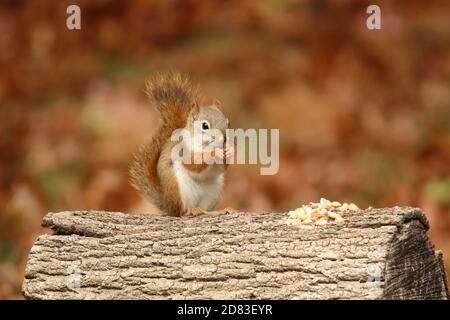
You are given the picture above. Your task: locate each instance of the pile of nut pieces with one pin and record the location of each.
(320, 213)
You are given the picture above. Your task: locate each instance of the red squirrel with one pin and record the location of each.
(177, 187)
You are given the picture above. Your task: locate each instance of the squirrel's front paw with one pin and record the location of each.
(192, 212)
(225, 153)
(229, 151)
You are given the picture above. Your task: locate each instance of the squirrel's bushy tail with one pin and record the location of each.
(173, 96)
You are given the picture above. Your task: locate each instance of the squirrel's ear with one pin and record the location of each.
(217, 103)
(195, 108)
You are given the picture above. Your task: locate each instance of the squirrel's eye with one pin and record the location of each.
(205, 125)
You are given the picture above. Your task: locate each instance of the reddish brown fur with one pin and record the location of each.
(175, 98)
(152, 171)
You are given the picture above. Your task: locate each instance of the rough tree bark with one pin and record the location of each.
(374, 254)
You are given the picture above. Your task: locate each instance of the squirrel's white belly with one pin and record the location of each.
(197, 190)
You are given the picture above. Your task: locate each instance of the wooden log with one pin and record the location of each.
(375, 254)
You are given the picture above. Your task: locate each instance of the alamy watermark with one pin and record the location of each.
(216, 147)
(73, 280)
(73, 21)
(374, 272)
(374, 20)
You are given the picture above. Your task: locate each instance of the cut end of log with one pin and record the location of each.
(375, 254)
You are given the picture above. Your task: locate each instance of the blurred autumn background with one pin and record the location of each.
(364, 115)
